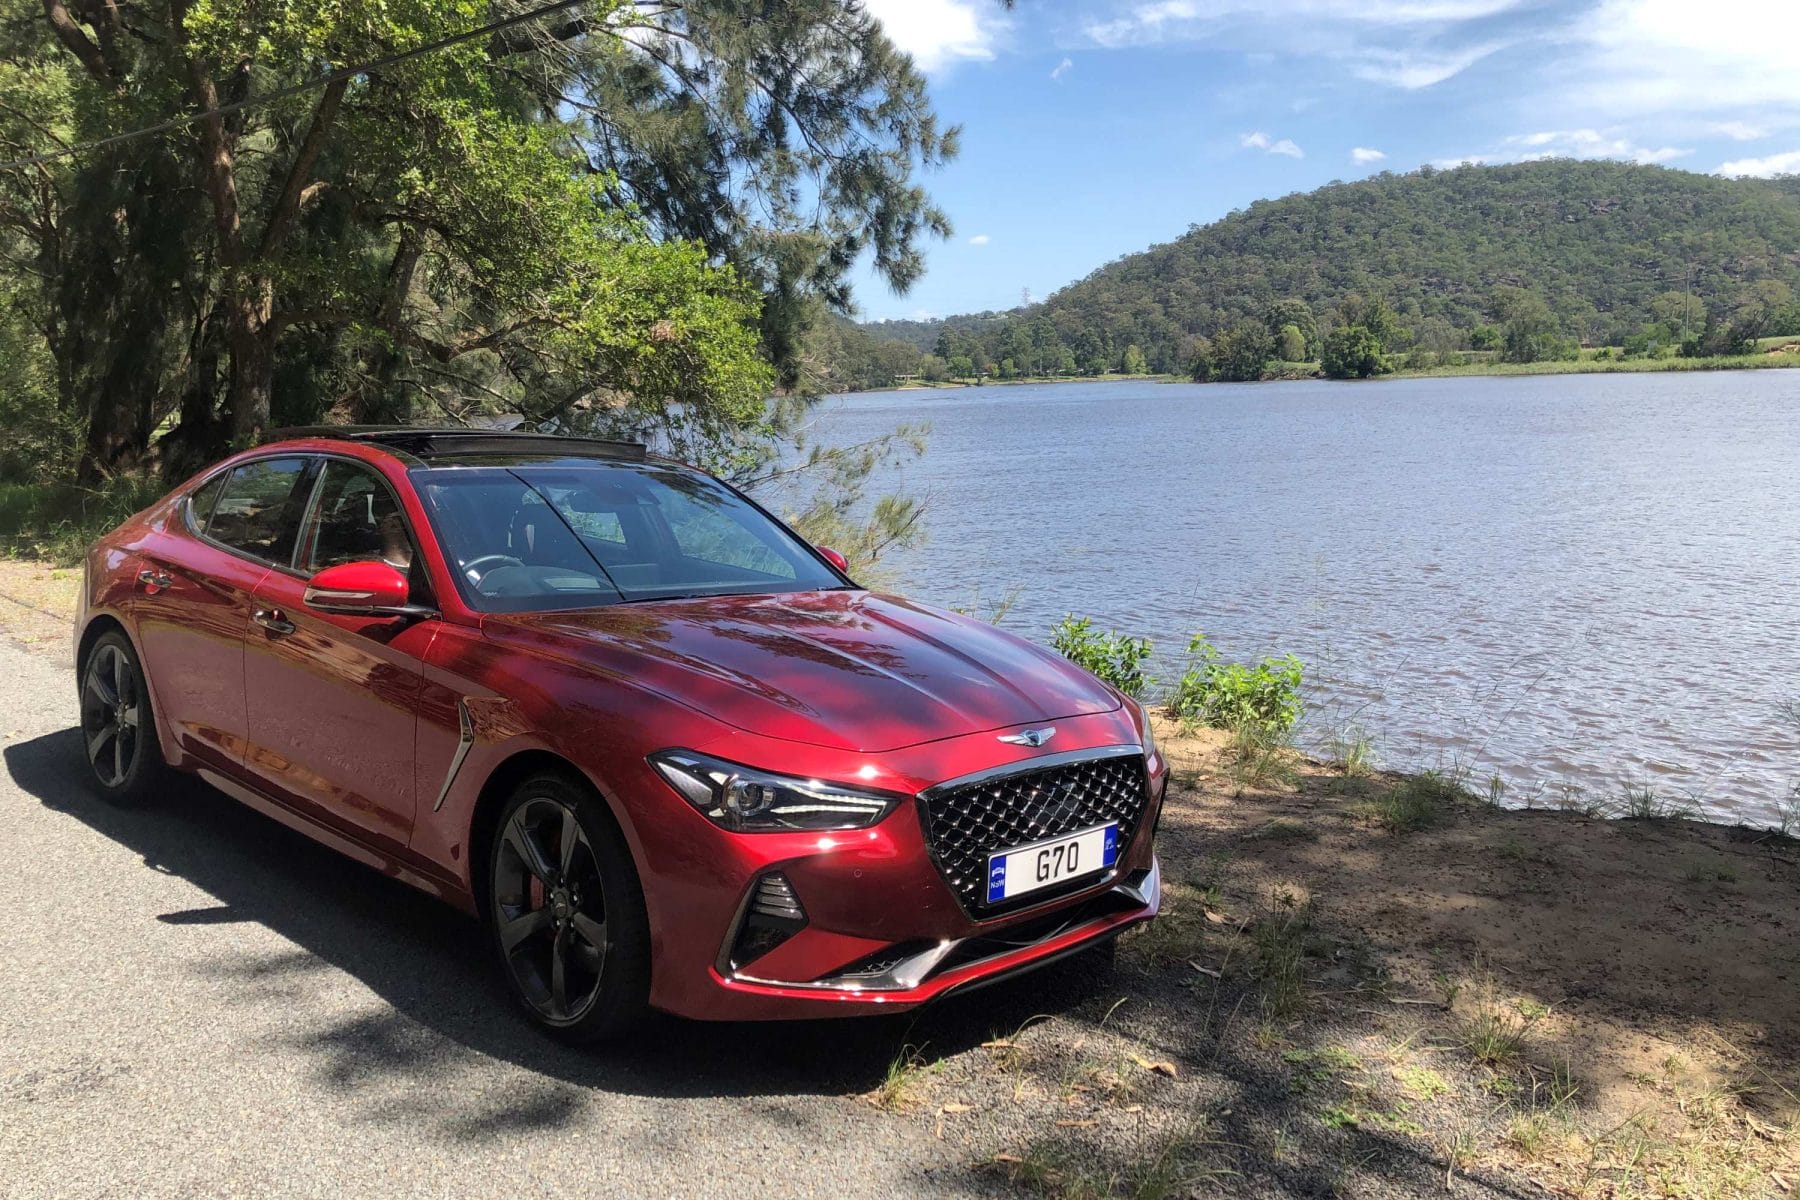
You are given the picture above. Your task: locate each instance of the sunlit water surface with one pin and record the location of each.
(1576, 582)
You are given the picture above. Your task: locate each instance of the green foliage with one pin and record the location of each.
(1240, 353)
(1134, 363)
(1531, 332)
(1113, 657)
(1596, 241)
(1352, 352)
(594, 220)
(1290, 344)
(1230, 695)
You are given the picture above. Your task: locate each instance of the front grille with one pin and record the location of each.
(966, 823)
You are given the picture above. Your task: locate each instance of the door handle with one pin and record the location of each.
(272, 620)
(154, 581)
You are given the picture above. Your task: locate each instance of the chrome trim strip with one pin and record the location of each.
(465, 741)
(1027, 766)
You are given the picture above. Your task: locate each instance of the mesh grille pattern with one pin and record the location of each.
(964, 825)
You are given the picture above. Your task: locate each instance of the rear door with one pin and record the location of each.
(195, 594)
(333, 699)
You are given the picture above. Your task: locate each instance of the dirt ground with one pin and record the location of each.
(1493, 1003)
(37, 604)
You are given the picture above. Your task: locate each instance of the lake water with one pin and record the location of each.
(1572, 581)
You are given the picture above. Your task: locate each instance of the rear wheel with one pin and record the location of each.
(118, 730)
(566, 911)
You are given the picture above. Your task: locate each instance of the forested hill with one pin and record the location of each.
(1598, 242)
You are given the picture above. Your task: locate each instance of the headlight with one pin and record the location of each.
(746, 800)
(1149, 735)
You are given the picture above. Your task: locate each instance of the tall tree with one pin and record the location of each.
(597, 216)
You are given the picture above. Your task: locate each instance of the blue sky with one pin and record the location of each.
(1093, 128)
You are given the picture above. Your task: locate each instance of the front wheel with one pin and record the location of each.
(118, 729)
(566, 911)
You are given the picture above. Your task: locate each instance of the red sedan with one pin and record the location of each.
(668, 753)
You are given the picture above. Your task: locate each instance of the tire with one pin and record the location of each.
(118, 726)
(565, 912)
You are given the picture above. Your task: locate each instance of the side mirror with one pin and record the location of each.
(834, 558)
(361, 589)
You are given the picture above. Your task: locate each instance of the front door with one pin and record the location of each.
(332, 699)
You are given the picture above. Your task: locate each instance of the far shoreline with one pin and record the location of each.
(1629, 366)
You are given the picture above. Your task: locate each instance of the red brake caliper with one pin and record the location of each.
(536, 894)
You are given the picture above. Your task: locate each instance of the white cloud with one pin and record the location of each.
(1775, 164)
(938, 33)
(1062, 68)
(1362, 156)
(1262, 141)
(1414, 69)
(980, 239)
(1639, 58)
(1740, 131)
(1151, 22)
(1568, 143)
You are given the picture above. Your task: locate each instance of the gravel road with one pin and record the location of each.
(196, 1001)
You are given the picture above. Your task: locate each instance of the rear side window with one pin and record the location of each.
(258, 511)
(200, 504)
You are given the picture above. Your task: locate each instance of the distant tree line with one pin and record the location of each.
(1520, 263)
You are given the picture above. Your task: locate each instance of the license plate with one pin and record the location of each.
(1043, 864)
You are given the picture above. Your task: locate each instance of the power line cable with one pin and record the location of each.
(324, 80)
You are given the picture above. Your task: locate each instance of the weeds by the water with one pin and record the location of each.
(1641, 802)
(1351, 751)
(1417, 802)
(1258, 757)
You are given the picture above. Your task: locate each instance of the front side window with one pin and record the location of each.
(558, 535)
(354, 518)
(258, 511)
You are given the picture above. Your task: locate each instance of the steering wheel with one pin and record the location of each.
(476, 570)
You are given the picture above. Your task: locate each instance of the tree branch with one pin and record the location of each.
(78, 43)
(293, 191)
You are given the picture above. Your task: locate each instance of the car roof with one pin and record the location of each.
(422, 446)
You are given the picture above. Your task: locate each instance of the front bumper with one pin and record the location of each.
(959, 964)
(883, 930)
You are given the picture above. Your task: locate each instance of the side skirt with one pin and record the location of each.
(445, 890)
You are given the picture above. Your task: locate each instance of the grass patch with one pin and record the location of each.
(1417, 802)
(1279, 941)
(1351, 752)
(1282, 829)
(900, 1088)
(1497, 1034)
(1710, 872)
(1644, 803)
(1258, 758)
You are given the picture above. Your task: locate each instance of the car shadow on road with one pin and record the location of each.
(431, 965)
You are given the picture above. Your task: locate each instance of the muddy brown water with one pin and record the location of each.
(1575, 582)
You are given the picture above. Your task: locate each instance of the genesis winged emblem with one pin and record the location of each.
(1030, 737)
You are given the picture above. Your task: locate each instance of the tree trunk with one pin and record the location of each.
(250, 333)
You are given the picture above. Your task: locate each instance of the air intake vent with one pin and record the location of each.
(775, 898)
(773, 915)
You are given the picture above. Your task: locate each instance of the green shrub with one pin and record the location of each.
(58, 522)
(1236, 695)
(1114, 657)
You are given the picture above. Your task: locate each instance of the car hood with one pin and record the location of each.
(849, 670)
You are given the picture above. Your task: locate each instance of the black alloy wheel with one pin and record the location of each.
(117, 731)
(566, 911)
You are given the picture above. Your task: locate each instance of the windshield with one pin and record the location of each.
(559, 535)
